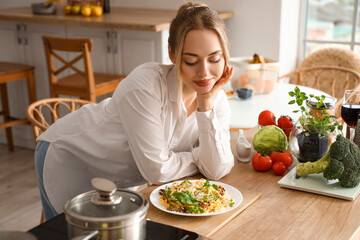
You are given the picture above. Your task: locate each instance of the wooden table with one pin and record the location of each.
(282, 213)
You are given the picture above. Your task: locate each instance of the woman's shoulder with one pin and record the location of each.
(151, 69)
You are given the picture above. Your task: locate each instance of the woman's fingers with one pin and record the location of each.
(223, 80)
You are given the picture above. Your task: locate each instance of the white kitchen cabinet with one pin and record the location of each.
(120, 51)
(132, 48)
(22, 43)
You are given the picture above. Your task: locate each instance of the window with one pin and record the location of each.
(330, 23)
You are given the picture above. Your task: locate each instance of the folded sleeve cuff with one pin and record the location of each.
(206, 120)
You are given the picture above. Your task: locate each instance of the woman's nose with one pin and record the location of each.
(203, 69)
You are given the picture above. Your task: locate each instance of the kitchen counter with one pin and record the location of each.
(120, 18)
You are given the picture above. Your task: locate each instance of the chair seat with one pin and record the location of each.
(75, 83)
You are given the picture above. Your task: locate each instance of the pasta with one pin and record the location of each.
(195, 197)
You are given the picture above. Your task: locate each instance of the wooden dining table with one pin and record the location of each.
(269, 211)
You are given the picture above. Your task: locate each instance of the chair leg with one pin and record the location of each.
(31, 87)
(42, 219)
(5, 110)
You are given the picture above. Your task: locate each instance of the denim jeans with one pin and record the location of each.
(40, 153)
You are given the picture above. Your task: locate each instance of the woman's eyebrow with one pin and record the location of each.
(195, 55)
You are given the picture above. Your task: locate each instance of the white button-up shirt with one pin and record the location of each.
(138, 135)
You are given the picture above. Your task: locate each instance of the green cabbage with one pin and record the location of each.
(270, 139)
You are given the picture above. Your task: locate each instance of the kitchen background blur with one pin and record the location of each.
(282, 30)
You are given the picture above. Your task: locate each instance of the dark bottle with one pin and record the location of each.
(106, 6)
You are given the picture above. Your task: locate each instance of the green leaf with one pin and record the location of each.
(318, 105)
(191, 209)
(291, 94)
(207, 183)
(215, 186)
(185, 197)
(291, 102)
(297, 90)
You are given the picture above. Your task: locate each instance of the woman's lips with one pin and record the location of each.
(203, 83)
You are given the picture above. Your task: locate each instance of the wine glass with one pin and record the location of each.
(350, 109)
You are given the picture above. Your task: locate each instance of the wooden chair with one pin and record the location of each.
(331, 70)
(330, 79)
(13, 72)
(83, 83)
(45, 112)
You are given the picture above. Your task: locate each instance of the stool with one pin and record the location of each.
(12, 72)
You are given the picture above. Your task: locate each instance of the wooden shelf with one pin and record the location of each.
(120, 18)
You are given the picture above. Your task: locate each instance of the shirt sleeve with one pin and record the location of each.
(213, 156)
(140, 113)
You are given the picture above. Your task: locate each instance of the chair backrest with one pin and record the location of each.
(45, 112)
(330, 79)
(54, 45)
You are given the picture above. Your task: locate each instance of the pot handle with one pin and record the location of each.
(106, 192)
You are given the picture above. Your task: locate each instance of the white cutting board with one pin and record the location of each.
(316, 183)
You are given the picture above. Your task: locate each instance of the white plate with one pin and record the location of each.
(233, 193)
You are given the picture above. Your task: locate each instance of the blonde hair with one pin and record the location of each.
(192, 16)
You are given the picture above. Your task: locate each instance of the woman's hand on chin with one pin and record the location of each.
(205, 101)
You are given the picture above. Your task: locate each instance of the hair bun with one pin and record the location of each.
(190, 6)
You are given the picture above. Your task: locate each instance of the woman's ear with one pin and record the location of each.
(171, 55)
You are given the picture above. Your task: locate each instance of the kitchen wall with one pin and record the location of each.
(267, 27)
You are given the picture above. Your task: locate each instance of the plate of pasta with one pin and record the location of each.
(196, 197)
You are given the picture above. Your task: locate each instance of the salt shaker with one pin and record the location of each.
(243, 147)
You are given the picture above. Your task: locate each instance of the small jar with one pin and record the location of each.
(327, 108)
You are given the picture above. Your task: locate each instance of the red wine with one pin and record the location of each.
(350, 113)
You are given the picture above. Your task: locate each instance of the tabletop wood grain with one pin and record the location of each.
(282, 213)
(120, 18)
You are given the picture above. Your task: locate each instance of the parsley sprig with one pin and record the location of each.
(322, 125)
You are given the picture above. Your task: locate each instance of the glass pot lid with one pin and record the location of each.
(105, 204)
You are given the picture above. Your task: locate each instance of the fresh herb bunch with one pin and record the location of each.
(323, 125)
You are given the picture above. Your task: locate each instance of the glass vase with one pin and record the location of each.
(308, 145)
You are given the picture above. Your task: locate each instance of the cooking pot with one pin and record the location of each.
(107, 213)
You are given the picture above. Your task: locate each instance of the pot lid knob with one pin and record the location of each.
(106, 192)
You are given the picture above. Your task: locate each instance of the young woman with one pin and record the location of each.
(163, 122)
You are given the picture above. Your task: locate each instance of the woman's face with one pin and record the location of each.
(202, 61)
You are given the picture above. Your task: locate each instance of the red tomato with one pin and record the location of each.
(279, 168)
(285, 123)
(261, 163)
(267, 118)
(285, 157)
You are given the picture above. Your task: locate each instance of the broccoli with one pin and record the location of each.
(342, 162)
